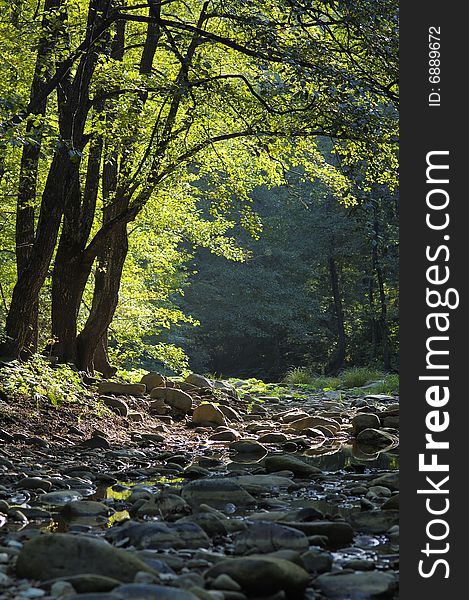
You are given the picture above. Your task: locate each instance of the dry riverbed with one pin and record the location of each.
(181, 491)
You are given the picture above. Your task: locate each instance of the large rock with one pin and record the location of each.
(263, 575)
(339, 533)
(161, 536)
(389, 480)
(146, 591)
(173, 397)
(374, 521)
(248, 447)
(312, 422)
(208, 413)
(153, 380)
(263, 537)
(216, 493)
(261, 484)
(121, 389)
(198, 380)
(360, 584)
(116, 405)
(364, 421)
(376, 438)
(288, 462)
(50, 556)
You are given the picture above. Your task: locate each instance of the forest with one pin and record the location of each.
(199, 303)
(151, 151)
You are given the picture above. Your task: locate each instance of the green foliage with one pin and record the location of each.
(390, 385)
(42, 381)
(358, 377)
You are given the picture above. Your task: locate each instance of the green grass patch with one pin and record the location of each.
(358, 376)
(389, 386)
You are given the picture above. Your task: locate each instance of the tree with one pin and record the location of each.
(128, 99)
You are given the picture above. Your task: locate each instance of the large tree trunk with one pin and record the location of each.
(336, 362)
(105, 298)
(29, 166)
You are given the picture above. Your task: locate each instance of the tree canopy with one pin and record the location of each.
(146, 125)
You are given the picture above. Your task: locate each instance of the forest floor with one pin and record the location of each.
(195, 492)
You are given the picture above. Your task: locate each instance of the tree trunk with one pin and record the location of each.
(337, 360)
(383, 320)
(105, 298)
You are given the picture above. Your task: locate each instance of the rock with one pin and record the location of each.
(135, 417)
(263, 575)
(392, 503)
(85, 508)
(161, 536)
(339, 533)
(230, 413)
(391, 422)
(288, 462)
(34, 483)
(273, 438)
(168, 506)
(225, 582)
(61, 589)
(356, 585)
(146, 591)
(152, 380)
(359, 564)
(376, 438)
(263, 537)
(208, 413)
(248, 447)
(212, 524)
(314, 422)
(317, 561)
(389, 480)
(173, 397)
(364, 421)
(216, 493)
(198, 380)
(116, 404)
(227, 435)
(374, 521)
(121, 389)
(85, 583)
(58, 555)
(60, 497)
(261, 484)
(97, 441)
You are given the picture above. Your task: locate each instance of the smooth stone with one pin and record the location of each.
(152, 380)
(52, 556)
(228, 435)
(85, 508)
(338, 533)
(273, 438)
(230, 413)
(288, 462)
(97, 441)
(60, 497)
(391, 421)
(392, 503)
(168, 506)
(263, 575)
(212, 524)
(216, 493)
(198, 380)
(374, 521)
(208, 413)
(116, 404)
(248, 447)
(145, 591)
(161, 536)
(389, 480)
(317, 561)
(34, 483)
(376, 438)
(359, 564)
(85, 583)
(121, 389)
(263, 537)
(364, 421)
(177, 399)
(356, 585)
(258, 484)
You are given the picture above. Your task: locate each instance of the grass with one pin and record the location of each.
(354, 377)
